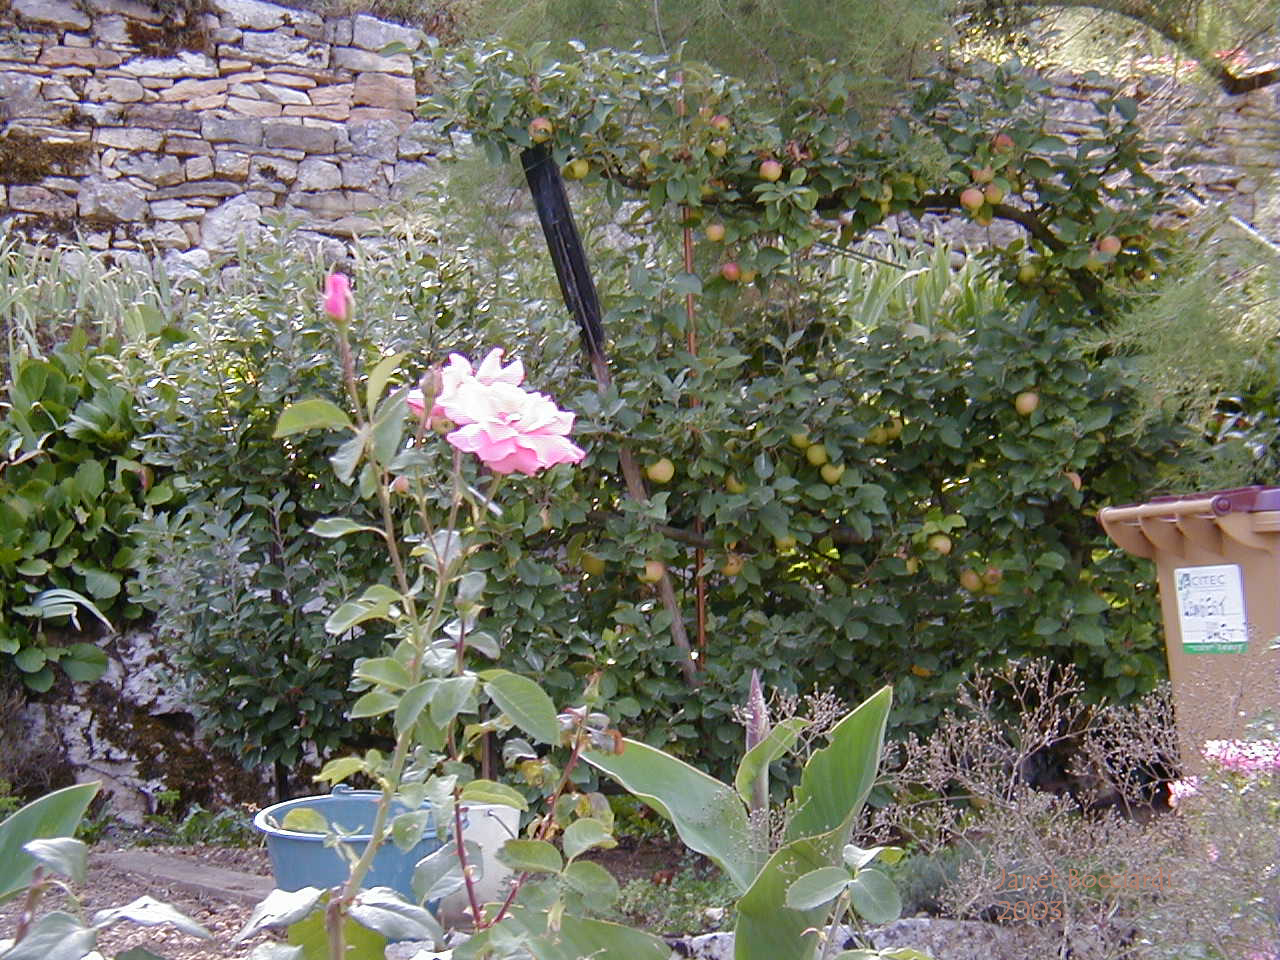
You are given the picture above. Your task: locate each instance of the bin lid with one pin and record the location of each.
(1238, 500)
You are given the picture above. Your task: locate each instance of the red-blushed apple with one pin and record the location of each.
(653, 571)
(731, 271)
(540, 129)
(715, 232)
(1110, 245)
(971, 198)
(770, 170)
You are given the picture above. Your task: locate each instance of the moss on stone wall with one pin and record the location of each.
(28, 159)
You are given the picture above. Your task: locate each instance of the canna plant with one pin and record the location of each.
(442, 710)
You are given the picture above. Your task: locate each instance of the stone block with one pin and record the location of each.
(248, 91)
(59, 90)
(333, 93)
(244, 130)
(339, 31)
(358, 61)
(297, 137)
(129, 138)
(281, 48)
(19, 86)
(103, 114)
(291, 80)
(402, 120)
(333, 204)
(112, 30)
(231, 163)
(336, 112)
(373, 34)
(312, 31)
(111, 201)
(155, 116)
(76, 40)
(252, 14)
(223, 227)
(375, 138)
(226, 65)
(187, 146)
(175, 210)
(283, 95)
(158, 169)
(198, 168)
(272, 173)
(198, 190)
(227, 35)
(384, 90)
(134, 9)
(409, 178)
(41, 200)
(90, 57)
(217, 101)
(185, 64)
(360, 172)
(421, 139)
(62, 14)
(189, 89)
(119, 89)
(166, 236)
(187, 265)
(254, 108)
(317, 174)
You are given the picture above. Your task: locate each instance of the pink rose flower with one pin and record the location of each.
(512, 430)
(337, 297)
(458, 371)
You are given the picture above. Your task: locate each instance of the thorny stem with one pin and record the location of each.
(548, 820)
(462, 857)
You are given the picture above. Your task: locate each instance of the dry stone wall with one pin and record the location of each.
(157, 127)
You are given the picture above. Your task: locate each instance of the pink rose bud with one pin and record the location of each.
(337, 297)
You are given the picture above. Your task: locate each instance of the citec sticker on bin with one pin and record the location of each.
(1211, 609)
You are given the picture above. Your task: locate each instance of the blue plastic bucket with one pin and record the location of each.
(302, 860)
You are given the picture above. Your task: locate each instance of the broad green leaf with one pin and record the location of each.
(413, 702)
(338, 769)
(84, 662)
(583, 835)
(311, 939)
(101, 584)
(531, 856)
(150, 913)
(838, 778)
(593, 883)
(383, 910)
(407, 829)
(332, 527)
(817, 887)
(374, 704)
(65, 856)
(525, 703)
(281, 908)
(602, 940)
(387, 671)
(439, 873)
(305, 820)
(54, 936)
(875, 897)
(707, 814)
(769, 930)
(487, 791)
(55, 814)
(378, 378)
(450, 697)
(855, 857)
(779, 742)
(312, 414)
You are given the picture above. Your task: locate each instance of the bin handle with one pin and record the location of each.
(1176, 508)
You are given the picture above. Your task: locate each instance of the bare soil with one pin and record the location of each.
(106, 887)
